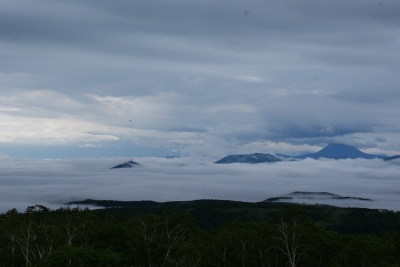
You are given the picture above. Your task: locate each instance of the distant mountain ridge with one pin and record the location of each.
(332, 151)
(248, 158)
(337, 151)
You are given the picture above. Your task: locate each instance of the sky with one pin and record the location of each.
(86, 85)
(52, 183)
(92, 79)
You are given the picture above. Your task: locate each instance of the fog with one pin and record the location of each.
(54, 182)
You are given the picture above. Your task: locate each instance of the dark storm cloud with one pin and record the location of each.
(380, 139)
(368, 93)
(104, 25)
(309, 115)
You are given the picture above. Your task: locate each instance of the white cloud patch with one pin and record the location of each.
(137, 108)
(110, 119)
(88, 145)
(378, 151)
(280, 147)
(251, 79)
(8, 109)
(45, 131)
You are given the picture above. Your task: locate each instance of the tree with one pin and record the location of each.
(9, 248)
(290, 232)
(158, 238)
(67, 256)
(367, 250)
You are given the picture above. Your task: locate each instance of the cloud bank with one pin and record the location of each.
(55, 182)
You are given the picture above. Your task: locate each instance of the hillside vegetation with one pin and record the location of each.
(200, 233)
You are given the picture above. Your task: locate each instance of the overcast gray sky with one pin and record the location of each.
(156, 78)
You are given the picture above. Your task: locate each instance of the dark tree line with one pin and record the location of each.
(80, 237)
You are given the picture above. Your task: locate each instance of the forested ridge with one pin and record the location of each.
(210, 214)
(284, 235)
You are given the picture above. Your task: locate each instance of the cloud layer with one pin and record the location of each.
(55, 182)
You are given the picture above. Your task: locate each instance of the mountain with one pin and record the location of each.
(128, 164)
(337, 151)
(392, 157)
(248, 158)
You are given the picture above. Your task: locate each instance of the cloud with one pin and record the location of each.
(308, 115)
(87, 145)
(186, 73)
(54, 182)
(251, 79)
(281, 147)
(42, 131)
(380, 139)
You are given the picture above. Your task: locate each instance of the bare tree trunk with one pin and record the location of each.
(222, 255)
(25, 240)
(149, 237)
(71, 230)
(291, 242)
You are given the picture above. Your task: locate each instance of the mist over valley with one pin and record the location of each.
(55, 182)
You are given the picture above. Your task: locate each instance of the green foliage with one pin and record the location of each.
(291, 236)
(211, 214)
(362, 221)
(67, 256)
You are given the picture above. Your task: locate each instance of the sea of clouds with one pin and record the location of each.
(54, 182)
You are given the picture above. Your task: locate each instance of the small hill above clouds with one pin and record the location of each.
(338, 151)
(128, 164)
(248, 158)
(322, 198)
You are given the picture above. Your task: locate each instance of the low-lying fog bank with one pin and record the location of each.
(55, 182)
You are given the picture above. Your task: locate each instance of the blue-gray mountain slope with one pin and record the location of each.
(392, 157)
(338, 151)
(248, 158)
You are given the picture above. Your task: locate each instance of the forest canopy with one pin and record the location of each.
(291, 236)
